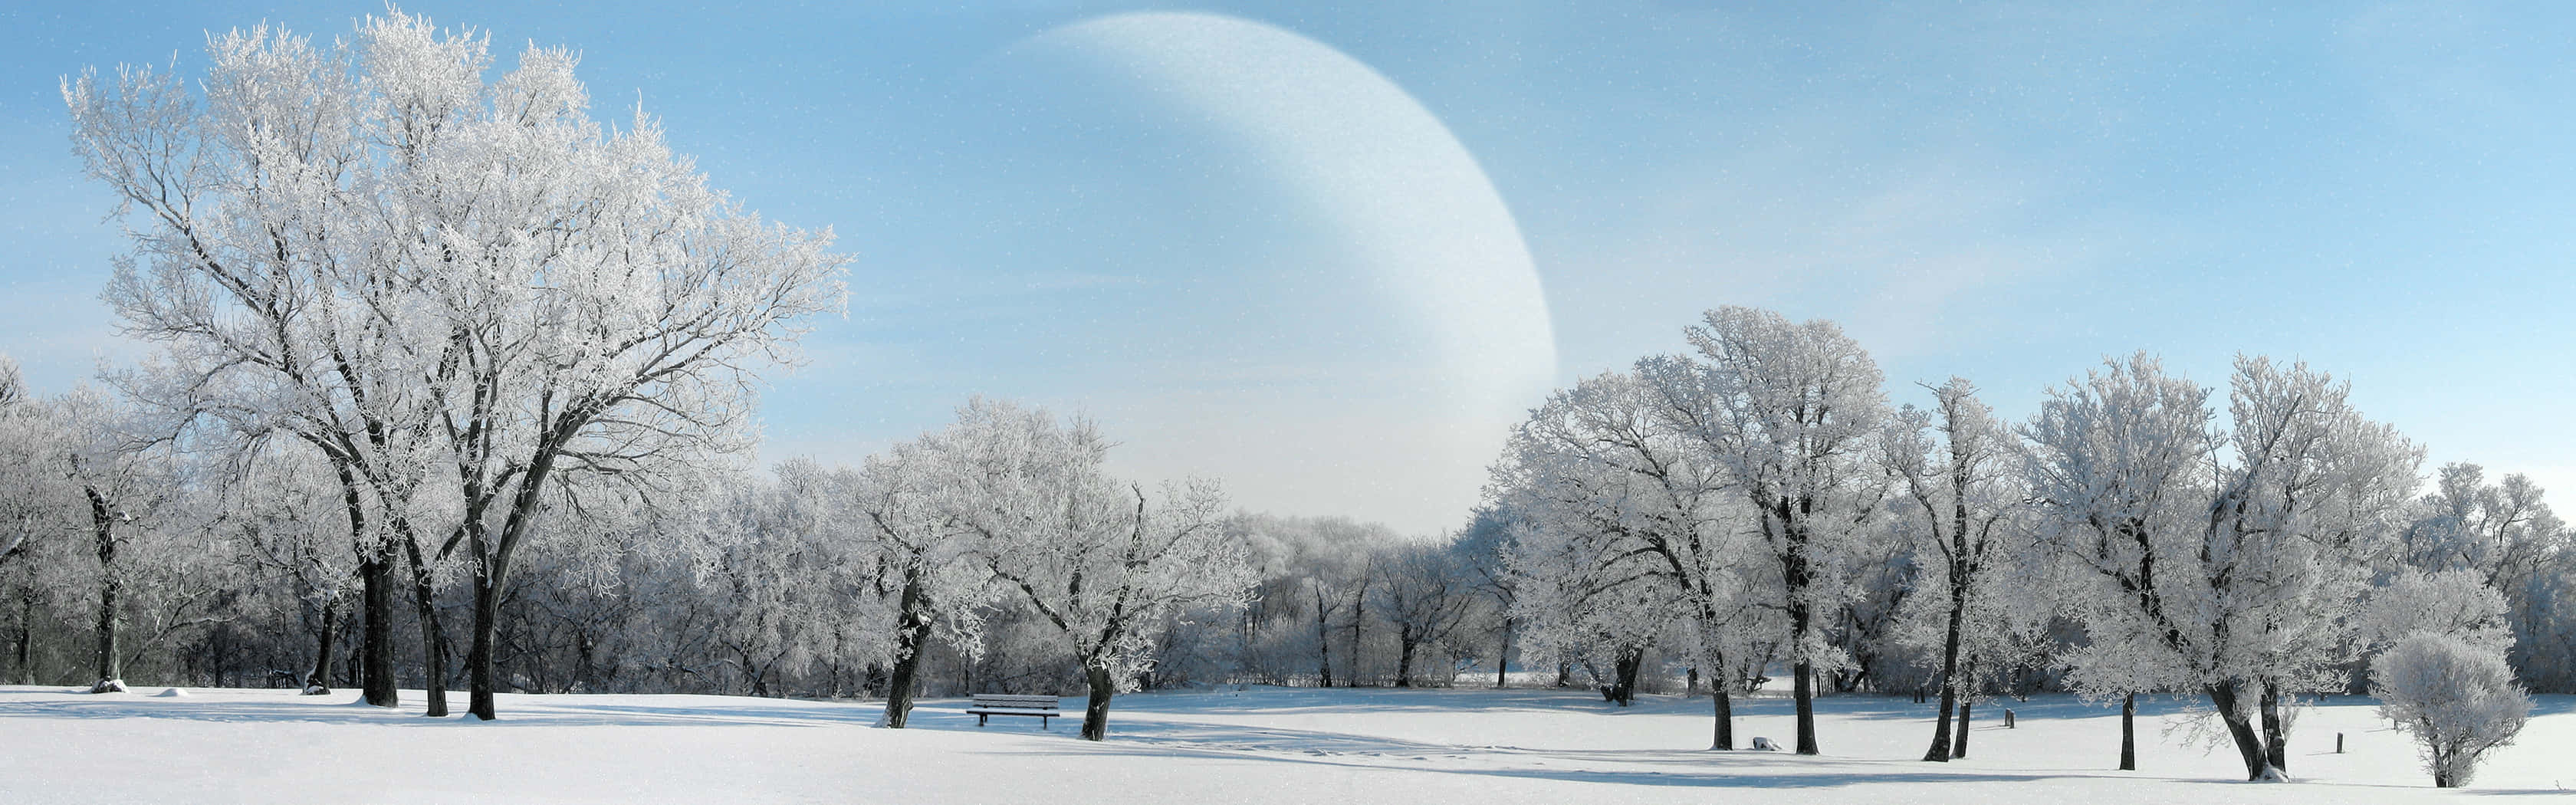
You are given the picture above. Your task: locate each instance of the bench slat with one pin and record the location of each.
(1013, 704)
(987, 705)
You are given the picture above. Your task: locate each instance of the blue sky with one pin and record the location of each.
(2007, 192)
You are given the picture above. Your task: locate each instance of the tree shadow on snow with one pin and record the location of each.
(567, 712)
(1676, 768)
(1278, 700)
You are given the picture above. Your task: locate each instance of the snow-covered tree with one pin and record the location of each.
(35, 497)
(1481, 549)
(2501, 529)
(2006, 635)
(1589, 610)
(2544, 616)
(906, 520)
(1788, 413)
(2458, 699)
(1099, 560)
(279, 503)
(33, 493)
(1425, 597)
(253, 264)
(1303, 622)
(127, 475)
(2454, 602)
(2310, 484)
(2226, 563)
(763, 570)
(2114, 459)
(2506, 533)
(377, 249)
(1882, 572)
(1605, 471)
(1958, 493)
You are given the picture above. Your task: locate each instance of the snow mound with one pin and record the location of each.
(108, 686)
(171, 693)
(317, 690)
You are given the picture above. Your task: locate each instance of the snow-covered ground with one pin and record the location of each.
(1260, 745)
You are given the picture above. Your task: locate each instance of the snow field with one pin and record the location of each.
(1262, 745)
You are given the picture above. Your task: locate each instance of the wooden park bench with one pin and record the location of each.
(988, 705)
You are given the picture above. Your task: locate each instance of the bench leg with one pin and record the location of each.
(979, 719)
(1043, 721)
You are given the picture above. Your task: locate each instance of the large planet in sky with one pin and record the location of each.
(1245, 254)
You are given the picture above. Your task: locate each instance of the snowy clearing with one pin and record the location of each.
(1258, 745)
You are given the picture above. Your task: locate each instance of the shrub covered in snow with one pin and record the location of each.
(2459, 700)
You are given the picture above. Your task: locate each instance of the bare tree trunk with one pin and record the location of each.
(1796, 578)
(2276, 732)
(103, 525)
(376, 640)
(433, 637)
(1359, 617)
(2129, 733)
(478, 654)
(1503, 658)
(220, 645)
(1804, 691)
(375, 597)
(912, 625)
(832, 671)
(1959, 740)
(26, 636)
(1940, 751)
(1722, 701)
(758, 672)
(1323, 639)
(1404, 662)
(2231, 710)
(348, 662)
(1623, 672)
(110, 665)
(1095, 716)
(330, 632)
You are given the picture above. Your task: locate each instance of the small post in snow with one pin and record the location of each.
(2008, 718)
